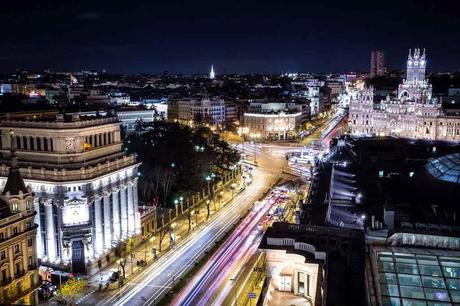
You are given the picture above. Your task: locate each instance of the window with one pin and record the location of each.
(2, 255)
(16, 249)
(30, 242)
(24, 142)
(15, 230)
(301, 282)
(2, 236)
(308, 285)
(31, 261)
(45, 144)
(29, 204)
(18, 142)
(51, 144)
(39, 144)
(14, 206)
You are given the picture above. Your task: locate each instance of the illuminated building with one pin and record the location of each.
(212, 74)
(85, 187)
(19, 278)
(377, 63)
(275, 120)
(187, 109)
(413, 114)
(312, 261)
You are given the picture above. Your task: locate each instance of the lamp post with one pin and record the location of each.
(208, 180)
(221, 198)
(151, 240)
(181, 200)
(172, 236)
(233, 186)
(176, 203)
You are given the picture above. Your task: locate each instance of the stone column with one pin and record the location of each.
(107, 223)
(37, 221)
(50, 231)
(99, 238)
(137, 215)
(116, 214)
(131, 225)
(124, 213)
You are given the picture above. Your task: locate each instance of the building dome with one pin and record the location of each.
(445, 168)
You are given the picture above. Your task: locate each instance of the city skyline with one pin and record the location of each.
(252, 37)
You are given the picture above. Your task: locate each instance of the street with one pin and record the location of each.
(149, 286)
(227, 261)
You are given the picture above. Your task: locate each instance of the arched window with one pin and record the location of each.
(14, 206)
(45, 144)
(18, 142)
(100, 139)
(32, 144)
(39, 144)
(29, 203)
(105, 138)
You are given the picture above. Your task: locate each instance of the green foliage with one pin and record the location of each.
(71, 289)
(177, 158)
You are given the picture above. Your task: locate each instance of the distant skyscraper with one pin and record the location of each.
(377, 63)
(212, 75)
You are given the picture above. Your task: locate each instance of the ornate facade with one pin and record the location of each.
(85, 187)
(19, 278)
(413, 114)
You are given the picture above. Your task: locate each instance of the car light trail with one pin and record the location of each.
(238, 247)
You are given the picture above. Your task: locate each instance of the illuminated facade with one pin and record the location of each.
(414, 114)
(85, 187)
(275, 120)
(19, 278)
(188, 109)
(280, 126)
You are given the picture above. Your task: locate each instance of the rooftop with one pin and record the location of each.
(445, 168)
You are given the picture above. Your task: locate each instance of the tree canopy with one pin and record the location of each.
(176, 159)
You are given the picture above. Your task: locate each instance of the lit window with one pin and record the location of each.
(14, 206)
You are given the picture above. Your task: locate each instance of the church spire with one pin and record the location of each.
(212, 75)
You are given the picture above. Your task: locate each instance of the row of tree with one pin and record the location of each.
(177, 159)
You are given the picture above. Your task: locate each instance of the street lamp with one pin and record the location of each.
(172, 236)
(221, 198)
(233, 186)
(193, 212)
(176, 203)
(181, 200)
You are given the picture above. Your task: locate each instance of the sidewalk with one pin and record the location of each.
(143, 251)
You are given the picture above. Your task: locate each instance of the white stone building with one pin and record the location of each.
(413, 114)
(207, 107)
(85, 187)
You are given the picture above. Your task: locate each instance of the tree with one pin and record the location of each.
(123, 251)
(176, 159)
(71, 289)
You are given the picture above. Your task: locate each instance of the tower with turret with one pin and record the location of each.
(415, 86)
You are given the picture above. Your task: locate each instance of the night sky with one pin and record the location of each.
(236, 36)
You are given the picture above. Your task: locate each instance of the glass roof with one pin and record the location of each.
(417, 279)
(445, 168)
